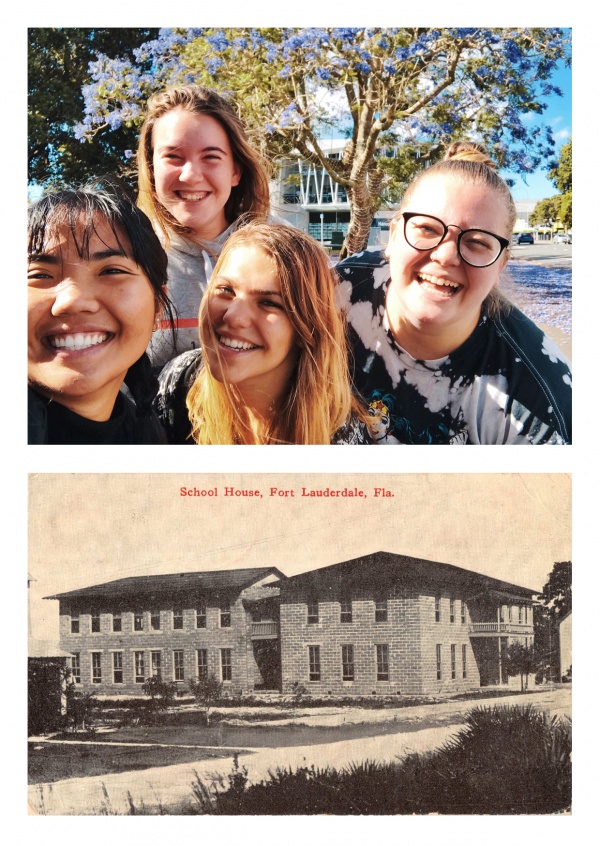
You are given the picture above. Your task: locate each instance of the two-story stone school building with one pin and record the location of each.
(380, 623)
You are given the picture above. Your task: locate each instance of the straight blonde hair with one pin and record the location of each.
(319, 398)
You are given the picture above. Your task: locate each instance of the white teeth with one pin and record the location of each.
(435, 280)
(199, 196)
(237, 345)
(79, 341)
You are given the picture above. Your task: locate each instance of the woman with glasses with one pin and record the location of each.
(457, 362)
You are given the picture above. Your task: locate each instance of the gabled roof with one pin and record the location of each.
(382, 569)
(174, 583)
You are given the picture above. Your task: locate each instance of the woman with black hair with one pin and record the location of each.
(96, 288)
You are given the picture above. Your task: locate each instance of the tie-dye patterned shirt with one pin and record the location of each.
(508, 383)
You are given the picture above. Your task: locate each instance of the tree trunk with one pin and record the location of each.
(362, 210)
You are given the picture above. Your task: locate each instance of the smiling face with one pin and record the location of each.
(89, 320)
(434, 299)
(257, 349)
(194, 170)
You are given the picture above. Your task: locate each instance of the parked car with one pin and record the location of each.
(562, 238)
(525, 238)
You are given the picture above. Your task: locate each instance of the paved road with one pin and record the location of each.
(166, 787)
(543, 252)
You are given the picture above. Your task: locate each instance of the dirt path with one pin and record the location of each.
(165, 788)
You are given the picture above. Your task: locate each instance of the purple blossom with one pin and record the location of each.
(389, 67)
(362, 67)
(218, 41)
(129, 154)
(213, 63)
(323, 73)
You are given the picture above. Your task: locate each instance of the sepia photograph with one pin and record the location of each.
(264, 644)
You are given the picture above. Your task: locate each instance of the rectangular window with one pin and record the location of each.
(178, 618)
(383, 662)
(463, 612)
(155, 621)
(438, 661)
(526, 615)
(95, 621)
(520, 615)
(314, 663)
(201, 616)
(452, 610)
(510, 610)
(138, 621)
(178, 673)
(345, 612)
(75, 622)
(140, 667)
(226, 665)
(117, 622)
(225, 615)
(312, 612)
(453, 660)
(76, 667)
(381, 611)
(464, 660)
(502, 613)
(155, 664)
(96, 667)
(438, 609)
(347, 662)
(118, 667)
(202, 663)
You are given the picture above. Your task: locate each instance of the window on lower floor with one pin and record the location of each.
(118, 667)
(314, 663)
(346, 612)
(75, 622)
(96, 667)
(140, 667)
(347, 662)
(226, 664)
(178, 673)
(202, 663)
(312, 613)
(76, 667)
(138, 621)
(117, 621)
(453, 660)
(201, 616)
(464, 660)
(95, 621)
(381, 611)
(383, 662)
(178, 618)
(155, 621)
(438, 661)
(155, 664)
(225, 616)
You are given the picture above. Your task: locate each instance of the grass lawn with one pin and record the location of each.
(49, 762)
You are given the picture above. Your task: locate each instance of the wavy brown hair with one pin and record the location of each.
(249, 197)
(319, 399)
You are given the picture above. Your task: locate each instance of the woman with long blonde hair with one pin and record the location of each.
(273, 364)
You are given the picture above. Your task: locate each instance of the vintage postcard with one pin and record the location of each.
(264, 644)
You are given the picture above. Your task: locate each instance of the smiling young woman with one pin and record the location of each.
(96, 276)
(450, 358)
(197, 176)
(273, 365)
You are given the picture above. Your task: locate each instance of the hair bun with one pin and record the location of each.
(469, 151)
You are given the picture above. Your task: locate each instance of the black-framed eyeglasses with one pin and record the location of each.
(476, 247)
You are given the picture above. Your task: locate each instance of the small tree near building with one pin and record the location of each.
(207, 692)
(520, 661)
(162, 693)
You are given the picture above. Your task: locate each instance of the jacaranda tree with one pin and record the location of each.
(413, 89)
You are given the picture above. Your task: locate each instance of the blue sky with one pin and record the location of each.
(558, 116)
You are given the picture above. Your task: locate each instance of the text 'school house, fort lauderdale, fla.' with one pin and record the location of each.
(381, 623)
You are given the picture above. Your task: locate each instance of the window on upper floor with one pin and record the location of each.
(155, 620)
(76, 667)
(312, 612)
(520, 615)
(347, 662)
(225, 614)
(346, 611)
(178, 618)
(118, 667)
(201, 616)
(138, 621)
(314, 663)
(95, 621)
(463, 612)
(75, 622)
(381, 610)
(178, 673)
(438, 609)
(452, 610)
(96, 667)
(382, 652)
(117, 621)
